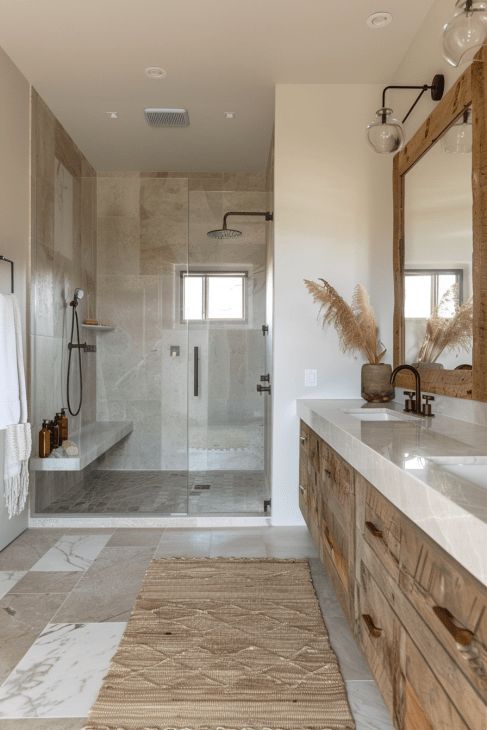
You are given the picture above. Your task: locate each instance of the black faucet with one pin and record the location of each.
(417, 376)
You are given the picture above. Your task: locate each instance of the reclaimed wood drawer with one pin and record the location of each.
(377, 629)
(378, 521)
(421, 701)
(451, 602)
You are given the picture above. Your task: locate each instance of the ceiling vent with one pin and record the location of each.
(167, 117)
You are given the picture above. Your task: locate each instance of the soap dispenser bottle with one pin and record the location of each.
(62, 420)
(44, 440)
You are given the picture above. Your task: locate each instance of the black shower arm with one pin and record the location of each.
(267, 215)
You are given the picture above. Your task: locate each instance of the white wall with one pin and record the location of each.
(333, 219)
(14, 219)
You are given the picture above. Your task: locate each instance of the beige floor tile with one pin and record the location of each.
(135, 537)
(44, 582)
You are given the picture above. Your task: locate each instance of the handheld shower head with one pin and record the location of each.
(78, 296)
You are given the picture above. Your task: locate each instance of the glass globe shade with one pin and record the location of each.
(385, 134)
(458, 139)
(466, 32)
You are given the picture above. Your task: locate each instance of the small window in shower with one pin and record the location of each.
(214, 296)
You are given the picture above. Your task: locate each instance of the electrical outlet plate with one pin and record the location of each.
(310, 378)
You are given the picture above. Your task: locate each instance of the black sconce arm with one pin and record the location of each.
(437, 88)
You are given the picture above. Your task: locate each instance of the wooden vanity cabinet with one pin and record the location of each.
(420, 618)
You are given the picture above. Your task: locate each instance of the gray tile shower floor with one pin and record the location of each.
(65, 596)
(164, 492)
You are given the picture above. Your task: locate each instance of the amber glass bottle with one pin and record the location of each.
(62, 419)
(44, 440)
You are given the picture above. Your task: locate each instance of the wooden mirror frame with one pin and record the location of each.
(469, 90)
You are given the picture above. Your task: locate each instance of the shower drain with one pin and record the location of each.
(200, 487)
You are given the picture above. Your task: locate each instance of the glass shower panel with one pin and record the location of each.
(227, 357)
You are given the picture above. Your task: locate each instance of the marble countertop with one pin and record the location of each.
(393, 456)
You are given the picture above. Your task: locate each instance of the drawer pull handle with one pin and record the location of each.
(302, 439)
(374, 530)
(460, 634)
(328, 473)
(371, 627)
(302, 489)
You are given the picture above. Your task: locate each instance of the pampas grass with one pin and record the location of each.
(355, 324)
(447, 333)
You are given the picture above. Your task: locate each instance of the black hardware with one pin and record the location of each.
(196, 367)
(427, 406)
(265, 378)
(263, 389)
(417, 377)
(9, 261)
(267, 215)
(409, 403)
(267, 505)
(82, 346)
(437, 87)
(265, 329)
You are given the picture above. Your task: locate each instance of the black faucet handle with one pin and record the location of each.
(427, 405)
(410, 403)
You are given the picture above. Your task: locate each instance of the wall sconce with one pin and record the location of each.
(466, 32)
(458, 139)
(385, 134)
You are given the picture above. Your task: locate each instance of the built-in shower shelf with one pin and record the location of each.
(93, 441)
(99, 327)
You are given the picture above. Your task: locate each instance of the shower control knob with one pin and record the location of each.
(263, 389)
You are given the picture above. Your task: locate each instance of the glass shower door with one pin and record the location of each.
(223, 301)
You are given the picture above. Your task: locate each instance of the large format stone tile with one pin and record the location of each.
(8, 579)
(109, 588)
(44, 582)
(184, 544)
(368, 708)
(58, 677)
(74, 552)
(27, 549)
(22, 617)
(135, 537)
(289, 542)
(60, 723)
(237, 544)
(351, 660)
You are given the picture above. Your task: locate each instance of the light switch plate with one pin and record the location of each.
(310, 378)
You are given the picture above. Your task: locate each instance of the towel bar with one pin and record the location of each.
(9, 261)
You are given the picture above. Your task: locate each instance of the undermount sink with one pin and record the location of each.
(471, 468)
(378, 414)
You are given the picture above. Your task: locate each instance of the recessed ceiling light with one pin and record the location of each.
(230, 115)
(155, 72)
(379, 20)
(112, 115)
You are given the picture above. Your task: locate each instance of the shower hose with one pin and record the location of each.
(72, 346)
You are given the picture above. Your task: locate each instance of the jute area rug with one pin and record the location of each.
(224, 644)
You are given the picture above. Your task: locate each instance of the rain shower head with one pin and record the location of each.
(226, 232)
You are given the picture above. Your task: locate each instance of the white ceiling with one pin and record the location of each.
(86, 57)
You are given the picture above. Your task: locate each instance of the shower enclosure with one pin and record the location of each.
(181, 353)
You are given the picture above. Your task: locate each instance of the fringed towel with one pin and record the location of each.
(13, 407)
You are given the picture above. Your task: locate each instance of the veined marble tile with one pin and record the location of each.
(8, 578)
(58, 677)
(72, 552)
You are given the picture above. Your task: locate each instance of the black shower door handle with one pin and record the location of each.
(196, 367)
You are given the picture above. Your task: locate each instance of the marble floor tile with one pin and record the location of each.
(26, 550)
(73, 552)
(44, 582)
(109, 588)
(58, 677)
(22, 618)
(237, 544)
(368, 708)
(135, 537)
(184, 544)
(8, 579)
(352, 661)
(52, 723)
(289, 542)
(328, 599)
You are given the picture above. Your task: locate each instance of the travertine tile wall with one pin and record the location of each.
(149, 227)
(63, 258)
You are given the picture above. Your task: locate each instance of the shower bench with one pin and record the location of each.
(93, 440)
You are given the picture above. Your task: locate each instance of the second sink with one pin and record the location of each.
(378, 414)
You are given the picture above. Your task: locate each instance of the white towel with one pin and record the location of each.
(13, 407)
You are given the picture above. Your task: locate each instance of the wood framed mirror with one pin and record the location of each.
(440, 242)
